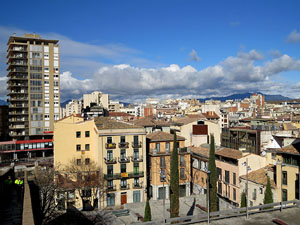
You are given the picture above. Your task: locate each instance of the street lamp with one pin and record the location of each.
(162, 178)
(247, 195)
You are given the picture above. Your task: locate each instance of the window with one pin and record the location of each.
(161, 192)
(157, 145)
(135, 139)
(123, 168)
(78, 147)
(284, 195)
(109, 140)
(254, 194)
(219, 173)
(109, 155)
(162, 162)
(87, 147)
(122, 139)
(167, 146)
(110, 170)
(110, 199)
(87, 161)
(87, 193)
(123, 183)
(234, 194)
(123, 154)
(71, 194)
(220, 188)
(182, 160)
(136, 168)
(136, 196)
(136, 153)
(284, 177)
(234, 179)
(261, 190)
(78, 134)
(182, 175)
(87, 134)
(227, 176)
(78, 162)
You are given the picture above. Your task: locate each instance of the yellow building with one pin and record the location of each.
(160, 145)
(287, 167)
(118, 148)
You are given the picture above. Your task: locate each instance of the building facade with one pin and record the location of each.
(160, 147)
(118, 148)
(33, 85)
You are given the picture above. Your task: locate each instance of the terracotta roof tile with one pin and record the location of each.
(210, 115)
(260, 176)
(163, 136)
(106, 123)
(230, 153)
(200, 150)
(294, 148)
(150, 122)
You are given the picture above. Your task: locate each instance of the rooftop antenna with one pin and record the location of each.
(14, 34)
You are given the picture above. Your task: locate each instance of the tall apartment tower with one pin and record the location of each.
(33, 85)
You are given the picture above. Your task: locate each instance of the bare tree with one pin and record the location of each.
(85, 177)
(47, 187)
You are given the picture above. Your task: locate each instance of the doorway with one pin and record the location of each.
(123, 198)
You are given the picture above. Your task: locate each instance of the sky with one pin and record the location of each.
(136, 49)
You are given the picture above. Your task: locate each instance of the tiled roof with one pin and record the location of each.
(115, 114)
(210, 115)
(293, 148)
(163, 136)
(187, 120)
(260, 176)
(106, 123)
(200, 150)
(150, 122)
(230, 153)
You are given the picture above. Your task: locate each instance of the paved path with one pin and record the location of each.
(11, 210)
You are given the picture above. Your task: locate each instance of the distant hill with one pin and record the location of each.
(2, 102)
(247, 95)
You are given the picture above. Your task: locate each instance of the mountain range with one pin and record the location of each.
(247, 95)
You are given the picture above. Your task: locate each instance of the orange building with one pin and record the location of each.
(159, 147)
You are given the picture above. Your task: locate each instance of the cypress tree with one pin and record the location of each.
(213, 201)
(268, 193)
(243, 200)
(174, 181)
(147, 216)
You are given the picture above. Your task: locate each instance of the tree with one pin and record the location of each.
(86, 178)
(45, 187)
(268, 193)
(213, 201)
(174, 181)
(243, 200)
(147, 216)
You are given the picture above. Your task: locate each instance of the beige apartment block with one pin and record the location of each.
(117, 147)
(75, 106)
(160, 145)
(96, 97)
(33, 85)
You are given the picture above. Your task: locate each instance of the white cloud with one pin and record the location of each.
(234, 74)
(275, 53)
(194, 56)
(294, 37)
(252, 55)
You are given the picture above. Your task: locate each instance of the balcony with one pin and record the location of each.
(123, 159)
(110, 145)
(136, 144)
(137, 158)
(110, 160)
(158, 152)
(123, 145)
(18, 49)
(124, 186)
(112, 176)
(136, 174)
(111, 188)
(137, 186)
(18, 106)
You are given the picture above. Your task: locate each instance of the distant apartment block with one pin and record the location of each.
(33, 85)
(96, 97)
(75, 106)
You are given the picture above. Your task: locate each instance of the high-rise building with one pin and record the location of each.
(33, 85)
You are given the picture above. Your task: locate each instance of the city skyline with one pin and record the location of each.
(136, 49)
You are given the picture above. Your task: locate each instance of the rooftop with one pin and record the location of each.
(200, 151)
(293, 148)
(260, 176)
(229, 153)
(163, 136)
(150, 122)
(104, 123)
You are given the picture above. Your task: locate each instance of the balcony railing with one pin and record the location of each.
(136, 174)
(110, 145)
(137, 186)
(124, 186)
(124, 159)
(137, 144)
(137, 158)
(123, 145)
(112, 176)
(110, 160)
(111, 188)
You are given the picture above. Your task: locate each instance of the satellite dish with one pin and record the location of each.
(263, 153)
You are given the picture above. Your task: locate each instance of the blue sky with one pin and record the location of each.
(137, 49)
